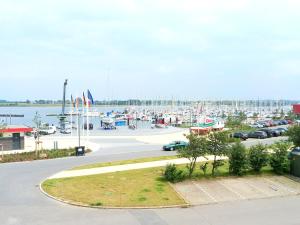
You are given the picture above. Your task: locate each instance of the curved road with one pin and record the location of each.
(22, 203)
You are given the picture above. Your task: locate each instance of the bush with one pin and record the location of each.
(279, 158)
(172, 174)
(48, 154)
(258, 157)
(237, 159)
(294, 135)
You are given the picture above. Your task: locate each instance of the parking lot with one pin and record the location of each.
(236, 189)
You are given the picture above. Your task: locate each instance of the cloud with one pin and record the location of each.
(137, 40)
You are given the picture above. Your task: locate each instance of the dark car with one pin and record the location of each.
(269, 132)
(175, 145)
(241, 135)
(284, 122)
(281, 130)
(276, 133)
(257, 134)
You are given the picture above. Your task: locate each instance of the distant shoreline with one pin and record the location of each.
(59, 105)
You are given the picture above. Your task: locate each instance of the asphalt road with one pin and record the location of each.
(22, 203)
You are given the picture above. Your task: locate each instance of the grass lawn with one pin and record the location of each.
(223, 171)
(123, 162)
(135, 188)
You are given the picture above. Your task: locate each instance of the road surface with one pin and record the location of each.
(22, 203)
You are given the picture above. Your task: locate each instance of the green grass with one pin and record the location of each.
(44, 154)
(135, 188)
(223, 171)
(123, 162)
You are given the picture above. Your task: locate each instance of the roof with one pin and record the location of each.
(16, 129)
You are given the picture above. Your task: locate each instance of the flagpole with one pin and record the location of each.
(77, 109)
(87, 120)
(83, 120)
(71, 111)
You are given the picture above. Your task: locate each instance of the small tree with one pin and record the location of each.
(237, 155)
(258, 157)
(172, 174)
(279, 158)
(294, 135)
(217, 146)
(197, 147)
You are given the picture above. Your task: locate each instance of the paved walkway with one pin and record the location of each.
(111, 169)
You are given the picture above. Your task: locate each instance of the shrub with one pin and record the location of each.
(294, 135)
(172, 174)
(279, 158)
(237, 159)
(204, 167)
(258, 157)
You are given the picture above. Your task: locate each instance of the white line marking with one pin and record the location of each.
(258, 189)
(205, 192)
(231, 190)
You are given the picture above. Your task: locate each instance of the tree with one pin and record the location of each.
(294, 135)
(279, 158)
(197, 147)
(172, 174)
(217, 146)
(258, 157)
(237, 155)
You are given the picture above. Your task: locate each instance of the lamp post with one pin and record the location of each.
(2, 151)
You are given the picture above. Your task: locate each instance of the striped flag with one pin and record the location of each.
(84, 99)
(90, 98)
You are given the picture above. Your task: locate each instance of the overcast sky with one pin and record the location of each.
(119, 49)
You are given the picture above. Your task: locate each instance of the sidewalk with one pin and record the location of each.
(135, 166)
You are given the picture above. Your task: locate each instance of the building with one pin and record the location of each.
(296, 109)
(12, 137)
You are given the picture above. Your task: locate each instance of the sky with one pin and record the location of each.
(150, 49)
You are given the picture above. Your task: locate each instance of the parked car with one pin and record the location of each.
(175, 145)
(241, 135)
(276, 133)
(48, 130)
(276, 122)
(281, 130)
(268, 132)
(256, 125)
(257, 134)
(284, 122)
(66, 131)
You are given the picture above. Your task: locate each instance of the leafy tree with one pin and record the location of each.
(279, 158)
(217, 146)
(238, 161)
(197, 147)
(294, 135)
(258, 157)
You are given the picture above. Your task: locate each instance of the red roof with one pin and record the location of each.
(16, 130)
